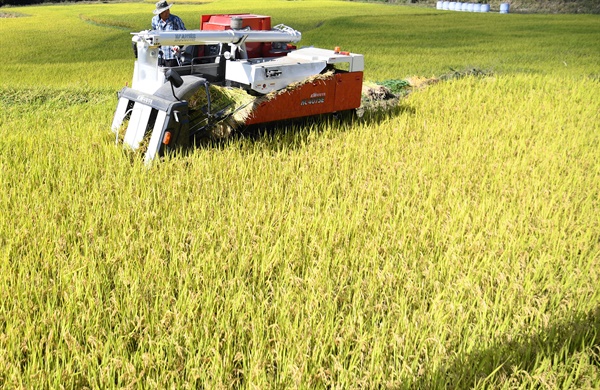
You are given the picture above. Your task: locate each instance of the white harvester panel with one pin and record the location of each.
(156, 139)
(268, 75)
(265, 76)
(356, 61)
(120, 114)
(136, 129)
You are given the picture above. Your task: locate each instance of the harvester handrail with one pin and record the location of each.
(198, 37)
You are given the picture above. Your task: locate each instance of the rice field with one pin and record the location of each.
(453, 242)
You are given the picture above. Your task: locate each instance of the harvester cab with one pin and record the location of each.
(235, 71)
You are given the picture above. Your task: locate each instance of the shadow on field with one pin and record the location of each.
(557, 343)
(295, 133)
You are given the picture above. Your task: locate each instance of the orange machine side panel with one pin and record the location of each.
(348, 90)
(312, 98)
(337, 93)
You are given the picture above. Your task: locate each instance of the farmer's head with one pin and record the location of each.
(163, 9)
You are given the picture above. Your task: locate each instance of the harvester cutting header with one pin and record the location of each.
(235, 71)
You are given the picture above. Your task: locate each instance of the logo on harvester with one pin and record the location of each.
(315, 98)
(270, 73)
(184, 37)
(144, 99)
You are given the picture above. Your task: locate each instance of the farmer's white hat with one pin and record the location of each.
(162, 6)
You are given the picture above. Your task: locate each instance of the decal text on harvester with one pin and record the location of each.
(144, 99)
(184, 37)
(315, 98)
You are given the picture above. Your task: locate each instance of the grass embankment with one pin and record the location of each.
(453, 243)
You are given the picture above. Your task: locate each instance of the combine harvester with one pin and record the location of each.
(236, 55)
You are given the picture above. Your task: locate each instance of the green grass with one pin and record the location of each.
(454, 243)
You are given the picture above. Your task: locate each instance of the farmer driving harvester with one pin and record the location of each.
(165, 21)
